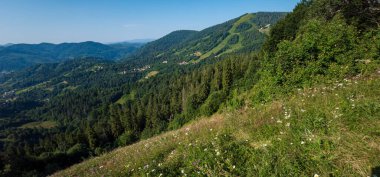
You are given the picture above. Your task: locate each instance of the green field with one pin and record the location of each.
(44, 124)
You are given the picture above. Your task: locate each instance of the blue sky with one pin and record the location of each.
(56, 21)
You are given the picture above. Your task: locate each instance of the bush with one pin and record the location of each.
(126, 138)
(211, 105)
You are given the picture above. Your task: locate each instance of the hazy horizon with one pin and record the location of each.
(113, 21)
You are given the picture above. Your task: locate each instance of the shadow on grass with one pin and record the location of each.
(375, 172)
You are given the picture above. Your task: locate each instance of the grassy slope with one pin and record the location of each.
(327, 130)
(232, 31)
(44, 124)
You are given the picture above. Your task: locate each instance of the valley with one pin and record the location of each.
(264, 94)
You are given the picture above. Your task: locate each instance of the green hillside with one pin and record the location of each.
(238, 35)
(328, 130)
(306, 105)
(303, 101)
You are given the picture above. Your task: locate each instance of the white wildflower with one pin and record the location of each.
(302, 142)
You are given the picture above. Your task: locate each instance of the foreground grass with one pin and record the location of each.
(331, 130)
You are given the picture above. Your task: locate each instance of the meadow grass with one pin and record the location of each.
(43, 124)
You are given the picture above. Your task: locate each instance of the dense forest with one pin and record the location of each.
(54, 115)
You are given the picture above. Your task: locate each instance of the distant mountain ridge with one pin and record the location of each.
(245, 33)
(18, 56)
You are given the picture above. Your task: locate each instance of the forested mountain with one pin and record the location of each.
(306, 105)
(246, 33)
(18, 56)
(55, 103)
(268, 104)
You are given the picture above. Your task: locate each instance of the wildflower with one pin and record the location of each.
(233, 167)
(217, 153)
(288, 124)
(302, 110)
(160, 175)
(279, 121)
(210, 129)
(186, 134)
(101, 167)
(302, 142)
(316, 175)
(153, 170)
(182, 171)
